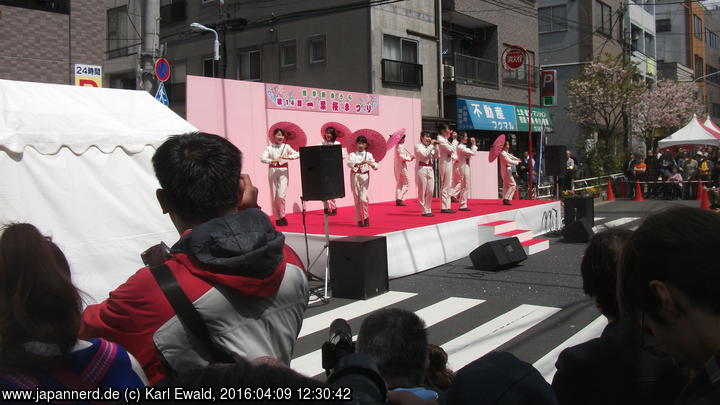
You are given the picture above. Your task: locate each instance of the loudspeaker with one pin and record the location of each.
(579, 231)
(555, 160)
(321, 172)
(577, 208)
(358, 267)
(498, 254)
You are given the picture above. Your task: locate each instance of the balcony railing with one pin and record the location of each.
(518, 77)
(174, 12)
(474, 70)
(402, 73)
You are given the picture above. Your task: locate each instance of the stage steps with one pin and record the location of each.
(507, 229)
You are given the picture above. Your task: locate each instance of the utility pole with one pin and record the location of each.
(150, 44)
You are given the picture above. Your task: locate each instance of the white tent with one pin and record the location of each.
(710, 125)
(694, 133)
(76, 163)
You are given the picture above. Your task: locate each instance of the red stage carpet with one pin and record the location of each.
(387, 217)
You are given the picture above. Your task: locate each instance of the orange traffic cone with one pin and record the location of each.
(700, 191)
(610, 194)
(705, 202)
(516, 196)
(638, 192)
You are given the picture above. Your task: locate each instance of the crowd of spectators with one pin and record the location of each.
(674, 173)
(224, 305)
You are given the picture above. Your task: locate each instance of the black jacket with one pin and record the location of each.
(613, 369)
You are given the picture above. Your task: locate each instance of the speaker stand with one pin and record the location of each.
(325, 296)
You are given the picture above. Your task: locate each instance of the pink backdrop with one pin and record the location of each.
(236, 110)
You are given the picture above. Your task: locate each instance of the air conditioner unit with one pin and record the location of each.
(448, 73)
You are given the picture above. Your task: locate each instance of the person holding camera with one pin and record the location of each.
(396, 340)
(230, 263)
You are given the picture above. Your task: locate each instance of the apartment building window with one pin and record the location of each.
(711, 39)
(176, 89)
(649, 45)
(664, 25)
(54, 6)
(288, 54)
(697, 27)
(250, 65)
(316, 49)
(636, 38)
(604, 18)
(117, 32)
(209, 67)
(715, 110)
(400, 61)
(712, 77)
(551, 19)
(699, 68)
(172, 12)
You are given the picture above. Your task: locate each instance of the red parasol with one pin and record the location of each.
(395, 138)
(340, 130)
(496, 148)
(376, 142)
(295, 136)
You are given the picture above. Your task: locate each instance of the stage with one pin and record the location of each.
(416, 243)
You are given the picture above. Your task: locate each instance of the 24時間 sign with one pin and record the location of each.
(282, 97)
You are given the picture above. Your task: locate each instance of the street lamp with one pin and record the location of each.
(216, 48)
(704, 76)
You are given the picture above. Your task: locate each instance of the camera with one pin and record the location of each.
(346, 368)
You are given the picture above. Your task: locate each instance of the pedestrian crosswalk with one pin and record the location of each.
(467, 328)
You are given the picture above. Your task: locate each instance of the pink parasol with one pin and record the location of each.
(496, 148)
(395, 138)
(340, 129)
(295, 136)
(376, 142)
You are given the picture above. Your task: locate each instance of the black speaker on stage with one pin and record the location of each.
(498, 254)
(577, 208)
(321, 172)
(579, 231)
(358, 267)
(555, 160)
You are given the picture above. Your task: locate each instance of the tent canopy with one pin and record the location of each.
(76, 163)
(50, 116)
(694, 133)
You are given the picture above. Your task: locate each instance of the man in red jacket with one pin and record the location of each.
(248, 286)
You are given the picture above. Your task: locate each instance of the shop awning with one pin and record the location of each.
(487, 116)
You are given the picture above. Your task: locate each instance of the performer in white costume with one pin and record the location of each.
(455, 194)
(277, 156)
(330, 138)
(360, 163)
(465, 151)
(507, 161)
(402, 178)
(425, 152)
(445, 167)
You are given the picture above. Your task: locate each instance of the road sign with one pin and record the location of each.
(161, 94)
(88, 75)
(513, 58)
(162, 69)
(548, 89)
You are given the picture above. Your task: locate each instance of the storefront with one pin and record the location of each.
(486, 120)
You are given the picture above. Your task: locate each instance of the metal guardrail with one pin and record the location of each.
(586, 180)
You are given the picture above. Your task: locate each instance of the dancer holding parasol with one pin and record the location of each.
(276, 155)
(402, 157)
(360, 161)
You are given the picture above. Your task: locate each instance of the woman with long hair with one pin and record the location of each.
(39, 322)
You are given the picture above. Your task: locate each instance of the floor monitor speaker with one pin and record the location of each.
(579, 231)
(498, 254)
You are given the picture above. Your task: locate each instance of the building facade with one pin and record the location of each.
(41, 41)
(572, 33)
(475, 35)
(389, 49)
